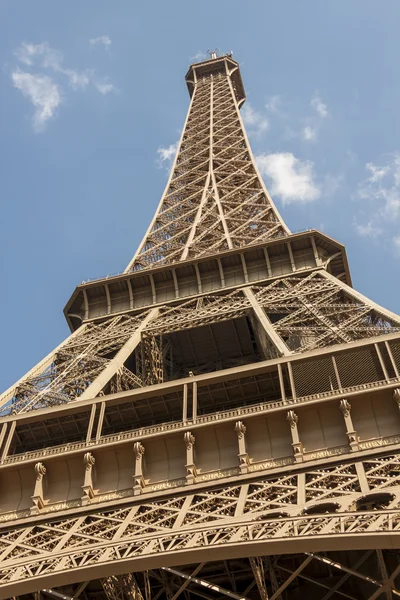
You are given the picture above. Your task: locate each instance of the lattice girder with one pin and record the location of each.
(83, 359)
(287, 300)
(214, 199)
(194, 527)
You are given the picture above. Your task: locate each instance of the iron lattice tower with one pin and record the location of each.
(223, 419)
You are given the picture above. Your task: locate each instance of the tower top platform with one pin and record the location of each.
(222, 64)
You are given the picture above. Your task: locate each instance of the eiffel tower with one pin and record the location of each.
(223, 420)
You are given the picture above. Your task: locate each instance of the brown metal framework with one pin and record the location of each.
(223, 420)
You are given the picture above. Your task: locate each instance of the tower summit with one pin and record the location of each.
(215, 199)
(223, 419)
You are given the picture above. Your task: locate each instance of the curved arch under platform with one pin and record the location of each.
(318, 575)
(101, 544)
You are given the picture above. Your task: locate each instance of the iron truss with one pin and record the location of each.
(215, 199)
(298, 314)
(352, 506)
(86, 362)
(306, 312)
(314, 532)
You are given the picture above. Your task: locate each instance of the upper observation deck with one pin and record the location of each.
(221, 64)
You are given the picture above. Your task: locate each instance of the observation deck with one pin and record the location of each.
(224, 65)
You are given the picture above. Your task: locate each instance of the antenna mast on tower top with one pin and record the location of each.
(213, 53)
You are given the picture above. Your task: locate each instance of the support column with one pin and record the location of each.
(38, 496)
(362, 478)
(87, 488)
(240, 430)
(270, 332)
(8, 440)
(301, 489)
(138, 480)
(100, 421)
(396, 397)
(191, 470)
(298, 450)
(119, 359)
(194, 402)
(91, 422)
(185, 403)
(345, 407)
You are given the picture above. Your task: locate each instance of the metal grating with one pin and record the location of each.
(314, 376)
(395, 348)
(359, 366)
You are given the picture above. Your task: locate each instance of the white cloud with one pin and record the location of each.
(309, 134)
(101, 39)
(377, 173)
(52, 59)
(43, 93)
(75, 79)
(367, 229)
(396, 242)
(319, 106)
(166, 155)
(104, 88)
(273, 104)
(382, 187)
(291, 178)
(199, 56)
(255, 123)
(380, 196)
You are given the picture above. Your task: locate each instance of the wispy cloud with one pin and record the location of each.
(292, 179)
(199, 56)
(377, 173)
(104, 88)
(367, 229)
(273, 104)
(382, 187)
(52, 59)
(320, 107)
(27, 54)
(166, 155)
(309, 133)
(45, 91)
(256, 124)
(306, 128)
(103, 40)
(379, 193)
(42, 91)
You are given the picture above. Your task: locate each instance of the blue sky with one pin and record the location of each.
(94, 99)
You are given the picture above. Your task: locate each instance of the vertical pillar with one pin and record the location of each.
(191, 470)
(100, 421)
(382, 362)
(91, 422)
(185, 403)
(240, 430)
(9, 440)
(37, 498)
(301, 489)
(87, 488)
(194, 402)
(291, 379)
(298, 450)
(396, 397)
(345, 407)
(281, 382)
(3, 433)
(138, 480)
(362, 478)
